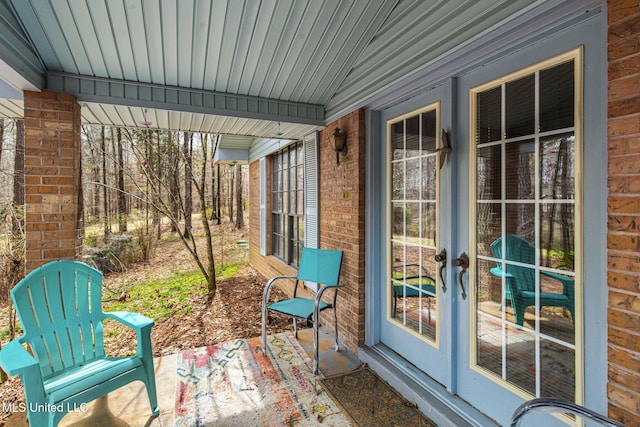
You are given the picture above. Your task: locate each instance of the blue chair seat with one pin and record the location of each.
(412, 281)
(301, 308)
(82, 377)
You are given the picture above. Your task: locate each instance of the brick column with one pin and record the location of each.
(53, 220)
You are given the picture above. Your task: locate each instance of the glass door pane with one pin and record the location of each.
(525, 236)
(413, 211)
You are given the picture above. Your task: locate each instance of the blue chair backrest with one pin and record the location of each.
(519, 250)
(60, 308)
(320, 266)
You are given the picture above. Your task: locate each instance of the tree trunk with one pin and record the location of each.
(1, 139)
(211, 265)
(105, 194)
(18, 182)
(18, 177)
(157, 170)
(95, 168)
(122, 197)
(230, 194)
(218, 197)
(188, 176)
(239, 201)
(174, 179)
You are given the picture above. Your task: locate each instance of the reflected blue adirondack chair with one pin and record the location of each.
(320, 266)
(59, 306)
(520, 281)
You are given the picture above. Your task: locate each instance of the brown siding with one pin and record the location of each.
(52, 177)
(623, 240)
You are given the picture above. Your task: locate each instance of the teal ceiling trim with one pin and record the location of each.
(16, 50)
(130, 93)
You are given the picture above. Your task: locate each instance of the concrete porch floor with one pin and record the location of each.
(129, 405)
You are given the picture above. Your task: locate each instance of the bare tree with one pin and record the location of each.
(105, 195)
(18, 171)
(230, 197)
(239, 201)
(1, 138)
(188, 177)
(93, 168)
(155, 185)
(218, 195)
(122, 197)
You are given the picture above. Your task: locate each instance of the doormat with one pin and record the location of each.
(233, 384)
(369, 401)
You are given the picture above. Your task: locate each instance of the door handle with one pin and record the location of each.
(442, 259)
(463, 262)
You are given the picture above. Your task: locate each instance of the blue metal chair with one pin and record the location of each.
(59, 306)
(521, 282)
(411, 281)
(319, 266)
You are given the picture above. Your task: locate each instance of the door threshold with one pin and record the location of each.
(431, 398)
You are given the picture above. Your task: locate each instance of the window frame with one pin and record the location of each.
(287, 203)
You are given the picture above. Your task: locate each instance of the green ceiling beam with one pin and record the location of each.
(146, 95)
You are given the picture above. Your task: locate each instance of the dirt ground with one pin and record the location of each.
(235, 312)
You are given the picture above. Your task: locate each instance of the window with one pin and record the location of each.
(413, 208)
(287, 203)
(527, 220)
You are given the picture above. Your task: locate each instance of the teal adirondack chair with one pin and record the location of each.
(520, 281)
(59, 306)
(320, 266)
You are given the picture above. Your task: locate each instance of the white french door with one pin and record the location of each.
(525, 245)
(415, 294)
(483, 263)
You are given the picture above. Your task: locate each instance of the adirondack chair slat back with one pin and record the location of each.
(519, 250)
(60, 308)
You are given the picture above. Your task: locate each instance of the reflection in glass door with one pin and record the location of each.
(527, 242)
(414, 221)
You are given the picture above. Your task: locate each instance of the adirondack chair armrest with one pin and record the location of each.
(135, 321)
(16, 360)
(142, 326)
(497, 271)
(567, 282)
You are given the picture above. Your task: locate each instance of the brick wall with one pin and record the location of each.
(623, 237)
(52, 177)
(342, 220)
(342, 192)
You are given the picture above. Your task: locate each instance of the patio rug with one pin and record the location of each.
(370, 401)
(233, 384)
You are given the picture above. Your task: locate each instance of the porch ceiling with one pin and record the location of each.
(256, 67)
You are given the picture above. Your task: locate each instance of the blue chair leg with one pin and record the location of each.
(315, 348)
(265, 317)
(335, 327)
